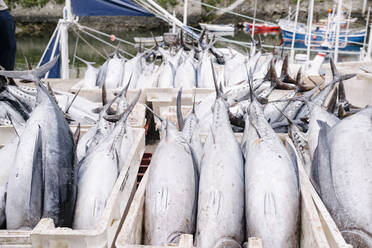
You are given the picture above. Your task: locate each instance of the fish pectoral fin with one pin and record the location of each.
(37, 183)
(99, 206)
(214, 202)
(174, 237)
(161, 203)
(227, 242)
(269, 205)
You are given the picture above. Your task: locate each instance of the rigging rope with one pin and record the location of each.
(91, 46)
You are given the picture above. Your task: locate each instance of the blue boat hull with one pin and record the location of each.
(317, 37)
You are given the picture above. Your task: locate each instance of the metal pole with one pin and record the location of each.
(339, 9)
(367, 23)
(369, 44)
(254, 18)
(294, 32)
(54, 48)
(174, 25)
(67, 18)
(310, 27)
(364, 6)
(64, 50)
(185, 12)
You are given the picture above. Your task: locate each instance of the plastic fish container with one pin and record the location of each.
(45, 235)
(317, 227)
(164, 101)
(358, 89)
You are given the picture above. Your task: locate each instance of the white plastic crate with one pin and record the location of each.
(45, 235)
(317, 229)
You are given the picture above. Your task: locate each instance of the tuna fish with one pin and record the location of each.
(171, 191)
(57, 151)
(90, 75)
(220, 220)
(342, 168)
(271, 185)
(104, 159)
(24, 202)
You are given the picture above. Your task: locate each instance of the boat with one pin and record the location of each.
(148, 41)
(218, 27)
(319, 36)
(261, 27)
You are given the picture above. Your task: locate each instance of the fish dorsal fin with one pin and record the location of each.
(212, 134)
(341, 92)
(31, 75)
(249, 80)
(335, 73)
(341, 112)
(290, 121)
(284, 71)
(28, 64)
(72, 101)
(77, 134)
(298, 76)
(201, 37)
(104, 94)
(337, 77)
(87, 63)
(124, 116)
(179, 110)
(218, 94)
(17, 126)
(279, 84)
(155, 114)
(332, 102)
(51, 92)
(193, 102)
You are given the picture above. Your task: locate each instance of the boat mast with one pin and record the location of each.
(368, 57)
(67, 19)
(254, 18)
(294, 32)
(366, 30)
(309, 26)
(338, 18)
(185, 12)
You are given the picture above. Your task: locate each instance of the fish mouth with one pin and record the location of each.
(357, 237)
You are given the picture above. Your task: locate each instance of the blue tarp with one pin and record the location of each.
(107, 8)
(55, 72)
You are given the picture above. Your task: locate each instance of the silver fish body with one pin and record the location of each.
(220, 220)
(271, 185)
(171, 191)
(342, 166)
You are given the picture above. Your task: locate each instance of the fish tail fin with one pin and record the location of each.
(227, 242)
(179, 110)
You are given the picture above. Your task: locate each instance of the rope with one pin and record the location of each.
(107, 35)
(92, 47)
(233, 13)
(75, 51)
(106, 43)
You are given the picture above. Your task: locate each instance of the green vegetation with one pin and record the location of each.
(167, 3)
(29, 3)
